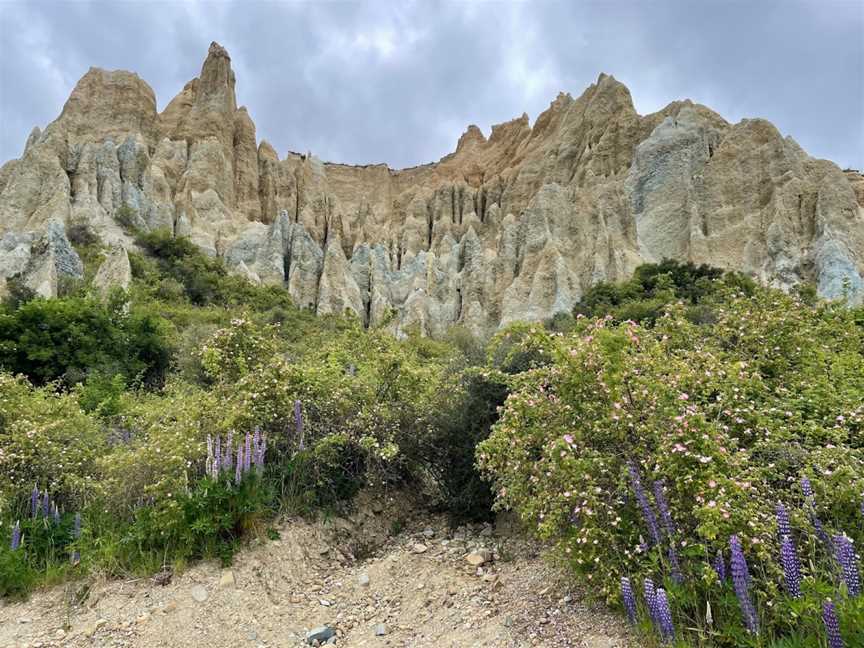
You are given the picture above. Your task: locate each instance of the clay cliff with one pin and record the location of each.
(513, 227)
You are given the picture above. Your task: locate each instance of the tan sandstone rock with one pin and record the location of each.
(511, 227)
(115, 271)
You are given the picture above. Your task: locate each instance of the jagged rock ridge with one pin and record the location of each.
(513, 227)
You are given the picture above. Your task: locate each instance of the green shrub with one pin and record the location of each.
(48, 441)
(460, 418)
(176, 261)
(518, 348)
(332, 470)
(207, 522)
(101, 394)
(46, 552)
(644, 296)
(730, 415)
(47, 340)
(16, 576)
(128, 219)
(235, 351)
(17, 293)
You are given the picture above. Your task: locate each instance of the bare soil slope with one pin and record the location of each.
(421, 591)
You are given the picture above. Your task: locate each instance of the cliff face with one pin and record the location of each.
(513, 227)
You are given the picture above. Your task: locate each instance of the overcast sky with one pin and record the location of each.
(398, 82)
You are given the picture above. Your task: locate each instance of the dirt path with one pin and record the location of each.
(415, 588)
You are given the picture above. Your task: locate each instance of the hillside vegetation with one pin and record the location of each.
(686, 428)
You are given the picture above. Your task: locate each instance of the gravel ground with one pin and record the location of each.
(427, 585)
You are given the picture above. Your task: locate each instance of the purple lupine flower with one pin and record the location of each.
(650, 599)
(664, 616)
(719, 565)
(644, 504)
(629, 599)
(247, 453)
(677, 576)
(832, 625)
(810, 500)
(238, 472)
(298, 423)
(16, 536)
(806, 488)
(741, 583)
(55, 514)
(217, 457)
(208, 468)
(260, 449)
(821, 533)
(862, 504)
(845, 554)
(46, 504)
(791, 568)
(76, 528)
(256, 446)
(34, 502)
(663, 507)
(226, 457)
(784, 528)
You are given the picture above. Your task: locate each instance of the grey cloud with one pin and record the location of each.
(399, 82)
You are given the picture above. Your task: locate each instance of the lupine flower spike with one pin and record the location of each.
(720, 566)
(227, 464)
(663, 507)
(46, 504)
(845, 554)
(259, 448)
(34, 502)
(820, 530)
(672, 554)
(217, 457)
(832, 626)
(791, 567)
(664, 616)
(238, 472)
(810, 500)
(16, 536)
(644, 504)
(650, 599)
(741, 583)
(55, 514)
(247, 453)
(784, 528)
(629, 599)
(209, 464)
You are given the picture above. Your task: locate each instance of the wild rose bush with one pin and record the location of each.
(724, 419)
(365, 385)
(238, 349)
(45, 440)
